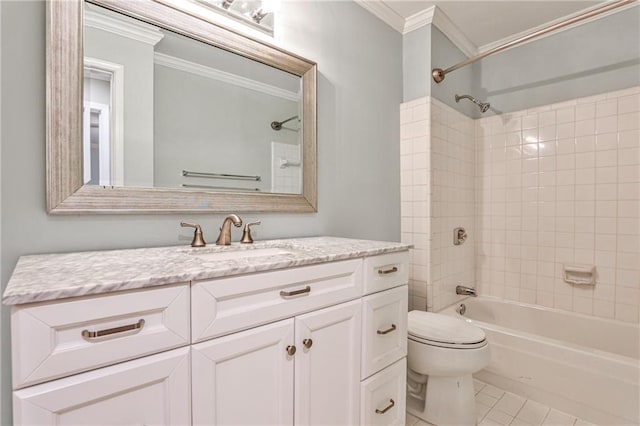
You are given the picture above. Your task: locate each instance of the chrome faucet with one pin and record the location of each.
(224, 239)
(467, 291)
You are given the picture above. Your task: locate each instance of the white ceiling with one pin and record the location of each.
(482, 23)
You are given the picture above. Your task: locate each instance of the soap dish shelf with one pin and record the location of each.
(579, 275)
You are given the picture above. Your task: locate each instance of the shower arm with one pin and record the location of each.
(288, 119)
(439, 74)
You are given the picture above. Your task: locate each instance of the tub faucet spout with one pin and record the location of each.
(467, 291)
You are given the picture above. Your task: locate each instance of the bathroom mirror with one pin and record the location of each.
(139, 95)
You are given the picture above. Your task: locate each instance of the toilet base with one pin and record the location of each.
(450, 401)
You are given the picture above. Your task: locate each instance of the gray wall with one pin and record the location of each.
(360, 88)
(597, 57)
(137, 58)
(416, 63)
(212, 126)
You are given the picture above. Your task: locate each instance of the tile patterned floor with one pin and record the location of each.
(495, 407)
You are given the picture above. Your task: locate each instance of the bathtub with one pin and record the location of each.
(582, 365)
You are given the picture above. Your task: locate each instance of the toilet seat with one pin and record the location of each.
(444, 331)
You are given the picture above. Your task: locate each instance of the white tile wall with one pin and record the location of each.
(561, 185)
(287, 179)
(437, 192)
(415, 190)
(555, 185)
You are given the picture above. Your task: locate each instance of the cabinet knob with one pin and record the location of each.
(291, 350)
(307, 343)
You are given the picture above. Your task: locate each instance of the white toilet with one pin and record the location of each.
(443, 353)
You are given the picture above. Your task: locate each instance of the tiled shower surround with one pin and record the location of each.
(555, 185)
(437, 191)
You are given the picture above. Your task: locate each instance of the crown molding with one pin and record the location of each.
(383, 12)
(453, 33)
(418, 20)
(435, 16)
(489, 46)
(137, 31)
(215, 74)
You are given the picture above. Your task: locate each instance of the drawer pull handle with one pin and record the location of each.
(387, 271)
(307, 343)
(305, 290)
(100, 333)
(388, 330)
(291, 350)
(392, 403)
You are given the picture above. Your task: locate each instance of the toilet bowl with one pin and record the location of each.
(443, 353)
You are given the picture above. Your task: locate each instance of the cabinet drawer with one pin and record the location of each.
(153, 390)
(386, 271)
(55, 339)
(225, 305)
(384, 334)
(383, 397)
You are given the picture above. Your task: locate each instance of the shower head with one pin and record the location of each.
(277, 125)
(484, 106)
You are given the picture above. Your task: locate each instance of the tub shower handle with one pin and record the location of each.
(387, 271)
(305, 290)
(101, 333)
(388, 330)
(392, 403)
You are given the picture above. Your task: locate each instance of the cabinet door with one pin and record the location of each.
(245, 378)
(327, 368)
(153, 390)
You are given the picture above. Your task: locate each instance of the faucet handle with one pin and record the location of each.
(198, 237)
(246, 233)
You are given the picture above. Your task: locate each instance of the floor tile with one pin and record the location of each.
(488, 422)
(510, 403)
(558, 418)
(499, 417)
(478, 385)
(580, 422)
(492, 391)
(519, 422)
(533, 412)
(481, 410)
(411, 420)
(496, 407)
(486, 399)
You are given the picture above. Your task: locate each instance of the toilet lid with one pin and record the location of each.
(443, 330)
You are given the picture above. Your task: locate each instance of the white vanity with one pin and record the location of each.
(301, 331)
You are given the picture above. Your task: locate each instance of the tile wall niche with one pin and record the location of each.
(557, 185)
(437, 193)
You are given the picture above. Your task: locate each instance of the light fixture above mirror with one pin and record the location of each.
(259, 14)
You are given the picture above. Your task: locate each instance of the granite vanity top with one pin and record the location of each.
(39, 278)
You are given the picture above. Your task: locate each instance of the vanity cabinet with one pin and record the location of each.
(316, 344)
(153, 390)
(253, 377)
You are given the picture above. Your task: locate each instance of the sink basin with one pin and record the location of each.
(240, 254)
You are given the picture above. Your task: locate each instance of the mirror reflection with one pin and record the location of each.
(164, 110)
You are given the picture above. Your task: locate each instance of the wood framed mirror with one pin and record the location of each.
(68, 188)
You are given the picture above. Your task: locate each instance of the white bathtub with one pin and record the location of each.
(582, 365)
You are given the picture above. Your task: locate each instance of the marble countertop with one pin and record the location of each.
(39, 278)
